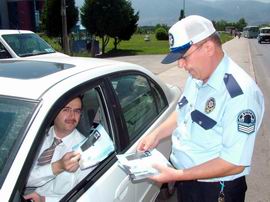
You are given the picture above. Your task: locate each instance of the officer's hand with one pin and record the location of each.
(148, 142)
(69, 162)
(35, 197)
(166, 174)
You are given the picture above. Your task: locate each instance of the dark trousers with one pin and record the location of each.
(194, 191)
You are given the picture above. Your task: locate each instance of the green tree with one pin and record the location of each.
(241, 24)
(52, 18)
(220, 25)
(161, 33)
(109, 18)
(162, 26)
(126, 21)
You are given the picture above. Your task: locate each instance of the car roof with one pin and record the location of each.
(15, 31)
(30, 78)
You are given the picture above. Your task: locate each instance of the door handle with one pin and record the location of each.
(122, 189)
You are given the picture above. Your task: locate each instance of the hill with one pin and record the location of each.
(154, 12)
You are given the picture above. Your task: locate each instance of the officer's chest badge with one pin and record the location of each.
(210, 105)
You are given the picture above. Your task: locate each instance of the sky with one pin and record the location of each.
(79, 3)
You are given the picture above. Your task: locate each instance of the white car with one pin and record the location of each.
(131, 102)
(23, 43)
(264, 35)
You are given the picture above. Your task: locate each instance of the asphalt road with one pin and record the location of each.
(259, 179)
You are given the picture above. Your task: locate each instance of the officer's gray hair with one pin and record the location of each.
(215, 37)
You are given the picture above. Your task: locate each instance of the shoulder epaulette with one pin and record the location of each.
(232, 86)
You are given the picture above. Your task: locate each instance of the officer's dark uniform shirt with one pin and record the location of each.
(219, 118)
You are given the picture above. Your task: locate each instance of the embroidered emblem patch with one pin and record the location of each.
(210, 105)
(171, 40)
(246, 121)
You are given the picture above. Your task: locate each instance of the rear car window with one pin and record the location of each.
(141, 101)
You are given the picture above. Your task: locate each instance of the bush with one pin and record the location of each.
(54, 42)
(161, 34)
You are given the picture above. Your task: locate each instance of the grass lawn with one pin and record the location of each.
(138, 46)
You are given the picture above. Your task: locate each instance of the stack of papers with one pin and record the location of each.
(139, 165)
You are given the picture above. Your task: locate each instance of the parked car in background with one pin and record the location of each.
(264, 35)
(22, 43)
(129, 100)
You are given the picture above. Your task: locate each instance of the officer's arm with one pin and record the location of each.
(168, 126)
(164, 130)
(210, 169)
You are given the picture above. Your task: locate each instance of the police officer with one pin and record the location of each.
(214, 126)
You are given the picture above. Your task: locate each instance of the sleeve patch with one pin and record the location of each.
(246, 121)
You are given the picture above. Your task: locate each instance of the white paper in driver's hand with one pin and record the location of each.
(95, 148)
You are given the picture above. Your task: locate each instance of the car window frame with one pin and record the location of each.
(103, 166)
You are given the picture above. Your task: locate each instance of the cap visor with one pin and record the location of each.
(172, 57)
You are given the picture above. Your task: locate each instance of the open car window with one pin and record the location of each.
(95, 146)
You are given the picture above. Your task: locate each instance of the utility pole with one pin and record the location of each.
(182, 11)
(64, 27)
(36, 13)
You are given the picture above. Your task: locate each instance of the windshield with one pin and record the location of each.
(265, 31)
(14, 116)
(27, 44)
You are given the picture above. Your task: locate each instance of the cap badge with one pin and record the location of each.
(210, 105)
(171, 40)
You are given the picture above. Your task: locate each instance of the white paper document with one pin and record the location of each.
(95, 148)
(139, 165)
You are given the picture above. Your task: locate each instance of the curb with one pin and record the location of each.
(251, 64)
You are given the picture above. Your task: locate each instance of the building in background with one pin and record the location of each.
(21, 14)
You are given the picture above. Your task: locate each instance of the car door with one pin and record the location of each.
(135, 104)
(103, 103)
(141, 102)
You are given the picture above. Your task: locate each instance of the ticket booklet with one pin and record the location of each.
(138, 165)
